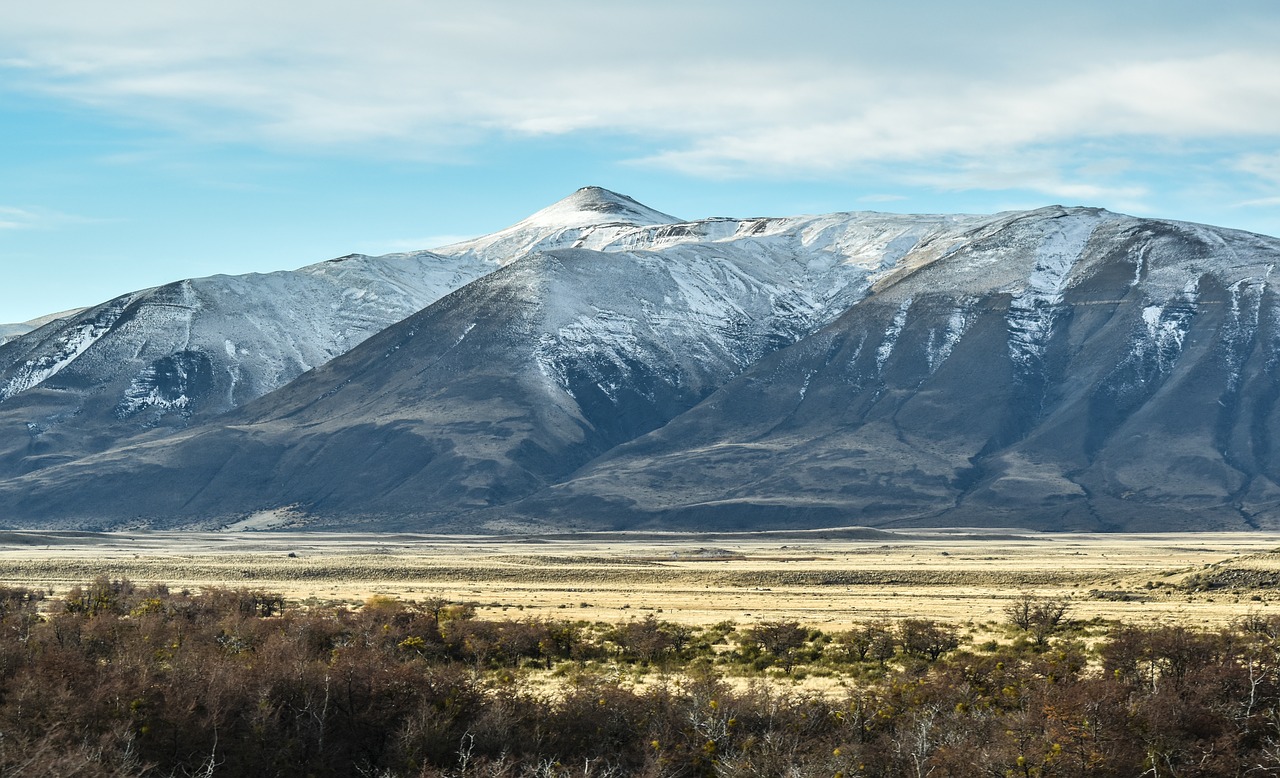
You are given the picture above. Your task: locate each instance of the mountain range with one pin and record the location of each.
(603, 365)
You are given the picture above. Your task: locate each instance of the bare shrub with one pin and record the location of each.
(779, 638)
(1039, 616)
(927, 638)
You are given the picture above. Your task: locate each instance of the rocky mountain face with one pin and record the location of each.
(1063, 369)
(604, 365)
(166, 358)
(162, 359)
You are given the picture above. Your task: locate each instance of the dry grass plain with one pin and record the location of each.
(828, 579)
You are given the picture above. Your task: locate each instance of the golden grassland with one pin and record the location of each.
(826, 579)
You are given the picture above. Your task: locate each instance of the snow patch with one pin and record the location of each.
(606, 338)
(1242, 326)
(68, 347)
(1033, 310)
(547, 357)
(940, 344)
(1167, 327)
(891, 335)
(168, 384)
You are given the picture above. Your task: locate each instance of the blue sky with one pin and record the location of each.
(143, 142)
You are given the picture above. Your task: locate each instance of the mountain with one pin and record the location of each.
(509, 383)
(591, 217)
(1064, 368)
(166, 358)
(9, 332)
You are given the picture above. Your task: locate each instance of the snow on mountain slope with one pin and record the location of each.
(748, 290)
(259, 330)
(590, 215)
(811, 268)
(1100, 372)
(517, 378)
(251, 334)
(163, 357)
(308, 315)
(273, 326)
(612, 366)
(600, 220)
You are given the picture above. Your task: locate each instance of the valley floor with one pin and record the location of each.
(828, 579)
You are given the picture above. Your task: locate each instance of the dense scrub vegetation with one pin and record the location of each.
(117, 680)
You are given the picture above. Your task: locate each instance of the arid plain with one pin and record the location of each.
(826, 579)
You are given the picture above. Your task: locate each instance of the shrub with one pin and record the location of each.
(131, 682)
(1038, 616)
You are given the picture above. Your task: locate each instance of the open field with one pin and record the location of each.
(828, 579)
(138, 680)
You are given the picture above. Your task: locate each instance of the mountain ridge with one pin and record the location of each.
(167, 357)
(617, 368)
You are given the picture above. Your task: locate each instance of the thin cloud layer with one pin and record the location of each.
(723, 90)
(1263, 166)
(281, 133)
(12, 218)
(1226, 95)
(16, 218)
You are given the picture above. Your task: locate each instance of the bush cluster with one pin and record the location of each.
(120, 680)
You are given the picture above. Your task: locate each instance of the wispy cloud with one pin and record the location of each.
(1176, 100)
(1262, 202)
(12, 218)
(1263, 166)
(1061, 175)
(719, 89)
(17, 218)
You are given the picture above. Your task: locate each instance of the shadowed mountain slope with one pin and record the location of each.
(1072, 370)
(157, 360)
(505, 386)
(1064, 368)
(166, 358)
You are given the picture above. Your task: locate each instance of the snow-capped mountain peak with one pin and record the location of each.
(591, 211)
(592, 205)
(600, 364)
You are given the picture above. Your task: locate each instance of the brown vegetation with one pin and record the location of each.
(117, 679)
(826, 580)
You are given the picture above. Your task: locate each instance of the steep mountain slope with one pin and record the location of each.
(504, 386)
(165, 358)
(1064, 369)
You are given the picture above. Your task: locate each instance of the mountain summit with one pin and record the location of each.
(589, 218)
(593, 205)
(1063, 368)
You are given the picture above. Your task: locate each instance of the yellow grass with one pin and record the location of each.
(824, 579)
